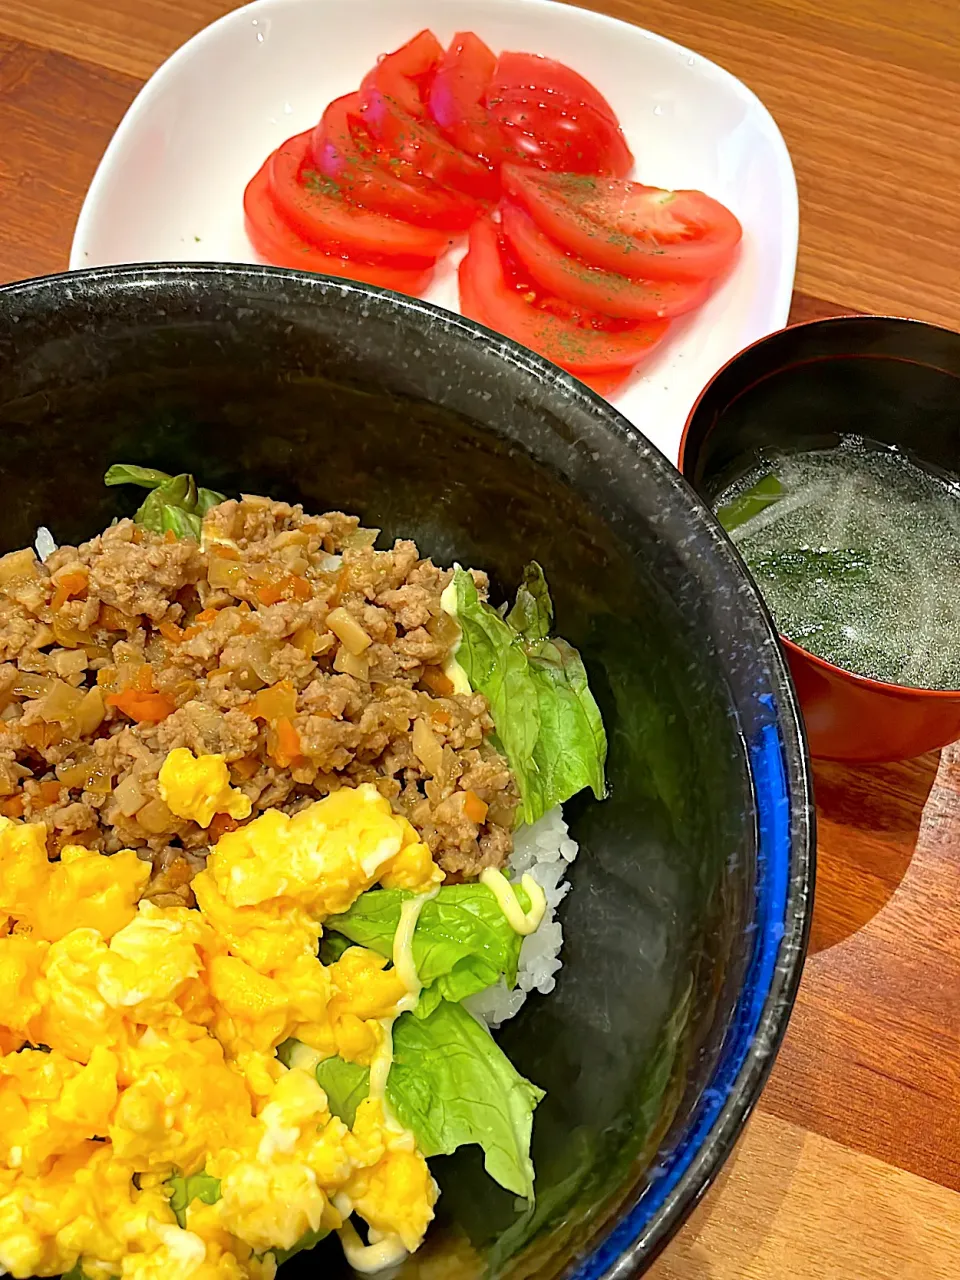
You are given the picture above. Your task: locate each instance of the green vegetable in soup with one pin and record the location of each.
(750, 503)
(814, 563)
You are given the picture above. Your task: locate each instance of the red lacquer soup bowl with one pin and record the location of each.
(890, 380)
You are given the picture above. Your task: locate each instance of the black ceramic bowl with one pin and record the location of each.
(686, 927)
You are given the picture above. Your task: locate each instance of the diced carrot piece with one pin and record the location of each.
(207, 615)
(221, 824)
(170, 631)
(12, 807)
(270, 594)
(302, 589)
(474, 808)
(141, 705)
(287, 747)
(69, 585)
(225, 552)
(436, 681)
(278, 702)
(169, 536)
(248, 628)
(50, 792)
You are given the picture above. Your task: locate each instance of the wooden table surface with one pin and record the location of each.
(851, 1167)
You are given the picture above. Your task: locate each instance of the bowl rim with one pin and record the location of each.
(685, 458)
(778, 763)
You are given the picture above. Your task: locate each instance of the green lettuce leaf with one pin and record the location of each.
(532, 613)
(207, 498)
(493, 657)
(174, 503)
(332, 946)
(451, 1085)
(201, 1186)
(546, 719)
(462, 944)
(346, 1084)
(198, 1186)
(76, 1272)
(306, 1241)
(127, 473)
(572, 746)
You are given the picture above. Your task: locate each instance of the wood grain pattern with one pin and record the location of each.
(56, 118)
(872, 1056)
(126, 36)
(791, 1204)
(851, 1168)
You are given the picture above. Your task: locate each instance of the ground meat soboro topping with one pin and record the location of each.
(283, 641)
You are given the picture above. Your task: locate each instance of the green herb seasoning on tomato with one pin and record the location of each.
(565, 254)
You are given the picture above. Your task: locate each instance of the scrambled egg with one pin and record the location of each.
(199, 787)
(139, 1043)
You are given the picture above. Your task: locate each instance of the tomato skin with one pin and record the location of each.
(320, 214)
(424, 148)
(401, 75)
(626, 227)
(531, 74)
(342, 150)
(457, 99)
(569, 277)
(559, 137)
(274, 241)
(487, 295)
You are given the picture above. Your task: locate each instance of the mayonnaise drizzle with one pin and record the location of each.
(522, 922)
(367, 1258)
(406, 967)
(451, 667)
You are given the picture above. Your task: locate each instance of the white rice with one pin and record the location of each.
(44, 544)
(545, 851)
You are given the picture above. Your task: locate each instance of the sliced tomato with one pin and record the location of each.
(531, 73)
(424, 148)
(458, 98)
(342, 150)
(316, 209)
(405, 74)
(276, 243)
(560, 272)
(626, 227)
(560, 137)
(493, 291)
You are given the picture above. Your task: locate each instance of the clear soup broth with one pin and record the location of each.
(857, 552)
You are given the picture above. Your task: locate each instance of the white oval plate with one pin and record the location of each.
(170, 185)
